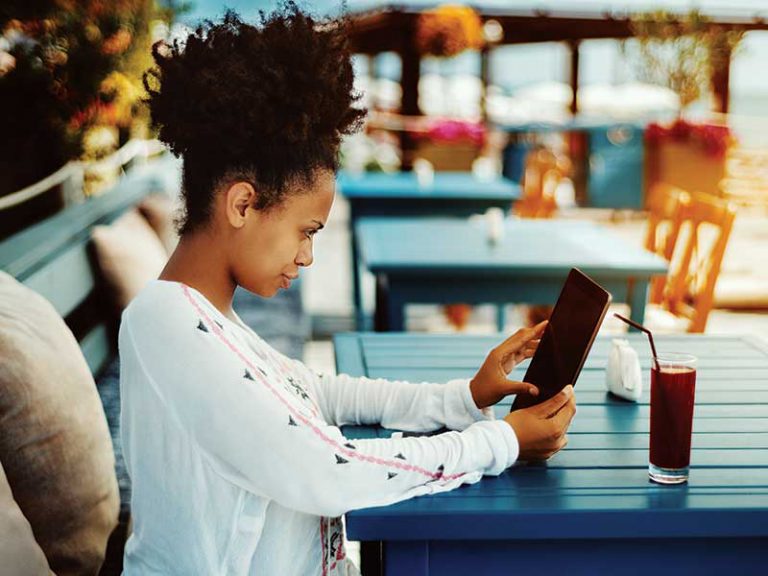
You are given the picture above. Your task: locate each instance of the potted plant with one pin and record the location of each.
(684, 53)
(688, 155)
(450, 144)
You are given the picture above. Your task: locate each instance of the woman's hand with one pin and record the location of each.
(491, 384)
(541, 429)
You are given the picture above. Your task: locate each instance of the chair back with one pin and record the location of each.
(704, 227)
(543, 172)
(665, 203)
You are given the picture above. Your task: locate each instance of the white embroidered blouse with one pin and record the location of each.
(235, 454)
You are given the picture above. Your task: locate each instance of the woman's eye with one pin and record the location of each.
(310, 233)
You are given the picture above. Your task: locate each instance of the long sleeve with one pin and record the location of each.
(244, 418)
(400, 405)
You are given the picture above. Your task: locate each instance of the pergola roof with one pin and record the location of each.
(376, 24)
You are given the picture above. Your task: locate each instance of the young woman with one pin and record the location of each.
(237, 461)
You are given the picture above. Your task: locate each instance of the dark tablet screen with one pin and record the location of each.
(566, 342)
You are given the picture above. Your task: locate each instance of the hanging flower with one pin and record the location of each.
(448, 30)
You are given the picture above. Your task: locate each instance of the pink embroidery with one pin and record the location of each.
(331, 543)
(301, 417)
(323, 548)
(220, 333)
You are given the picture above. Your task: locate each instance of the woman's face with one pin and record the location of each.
(270, 246)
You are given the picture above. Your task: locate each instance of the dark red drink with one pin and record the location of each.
(672, 395)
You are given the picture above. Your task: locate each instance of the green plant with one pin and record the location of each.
(682, 52)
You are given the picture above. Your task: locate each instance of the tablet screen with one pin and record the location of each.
(566, 342)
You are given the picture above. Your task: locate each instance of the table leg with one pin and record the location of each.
(501, 317)
(637, 297)
(406, 557)
(371, 563)
(396, 312)
(357, 297)
(390, 307)
(381, 311)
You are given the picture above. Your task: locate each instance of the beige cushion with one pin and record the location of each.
(159, 210)
(20, 555)
(54, 442)
(130, 254)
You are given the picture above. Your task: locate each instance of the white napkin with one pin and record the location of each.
(494, 219)
(425, 172)
(622, 375)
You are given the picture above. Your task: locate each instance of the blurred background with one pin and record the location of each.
(630, 135)
(620, 94)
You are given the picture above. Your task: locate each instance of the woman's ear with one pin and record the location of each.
(238, 198)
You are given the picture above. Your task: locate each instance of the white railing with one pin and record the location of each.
(71, 176)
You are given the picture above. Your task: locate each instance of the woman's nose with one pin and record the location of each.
(305, 256)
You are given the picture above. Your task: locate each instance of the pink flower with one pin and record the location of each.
(713, 139)
(455, 131)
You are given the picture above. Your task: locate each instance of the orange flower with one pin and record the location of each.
(448, 30)
(458, 315)
(117, 43)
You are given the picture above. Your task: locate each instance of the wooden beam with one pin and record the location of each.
(485, 73)
(574, 78)
(377, 31)
(409, 82)
(721, 80)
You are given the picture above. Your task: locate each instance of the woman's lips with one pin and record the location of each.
(287, 281)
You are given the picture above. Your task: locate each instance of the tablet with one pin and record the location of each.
(567, 339)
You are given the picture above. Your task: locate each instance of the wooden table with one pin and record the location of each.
(400, 194)
(590, 509)
(440, 260)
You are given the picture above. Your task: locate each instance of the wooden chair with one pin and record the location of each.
(665, 202)
(544, 170)
(704, 225)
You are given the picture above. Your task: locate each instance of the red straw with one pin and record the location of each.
(643, 329)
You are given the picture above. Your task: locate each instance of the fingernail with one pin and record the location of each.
(533, 391)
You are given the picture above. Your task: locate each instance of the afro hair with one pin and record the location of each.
(266, 103)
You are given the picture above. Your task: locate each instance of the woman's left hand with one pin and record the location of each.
(491, 384)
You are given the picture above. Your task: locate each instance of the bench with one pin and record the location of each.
(56, 259)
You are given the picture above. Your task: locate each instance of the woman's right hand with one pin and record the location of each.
(541, 429)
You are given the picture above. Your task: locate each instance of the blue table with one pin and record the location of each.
(590, 509)
(438, 261)
(450, 194)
